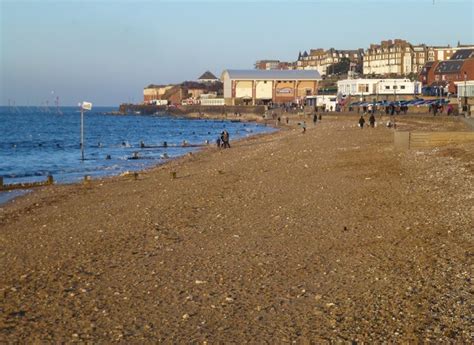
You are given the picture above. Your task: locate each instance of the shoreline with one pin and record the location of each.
(292, 125)
(330, 235)
(31, 188)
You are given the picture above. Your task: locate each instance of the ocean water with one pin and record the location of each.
(37, 141)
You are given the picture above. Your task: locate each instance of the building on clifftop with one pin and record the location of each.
(207, 77)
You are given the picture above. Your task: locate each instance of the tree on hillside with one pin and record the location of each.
(342, 67)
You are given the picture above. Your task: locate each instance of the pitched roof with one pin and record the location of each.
(207, 75)
(449, 66)
(463, 54)
(256, 74)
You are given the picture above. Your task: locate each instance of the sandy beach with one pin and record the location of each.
(331, 235)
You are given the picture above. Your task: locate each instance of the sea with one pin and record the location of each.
(39, 141)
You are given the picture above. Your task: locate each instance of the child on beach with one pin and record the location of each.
(303, 125)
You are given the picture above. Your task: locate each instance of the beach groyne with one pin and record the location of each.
(25, 185)
(420, 140)
(147, 109)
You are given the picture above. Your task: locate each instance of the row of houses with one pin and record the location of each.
(298, 85)
(391, 57)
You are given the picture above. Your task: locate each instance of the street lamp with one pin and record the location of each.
(395, 90)
(465, 92)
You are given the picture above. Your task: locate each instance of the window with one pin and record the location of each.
(394, 87)
(387, 87)
(402, 87)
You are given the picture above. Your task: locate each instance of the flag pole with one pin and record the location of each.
(84, 106)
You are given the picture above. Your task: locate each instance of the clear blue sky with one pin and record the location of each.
(107, 51)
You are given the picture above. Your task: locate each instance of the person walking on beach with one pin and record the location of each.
(222, 139)
(372, 120)
(361, 122)
(315, 119)
(225, 139)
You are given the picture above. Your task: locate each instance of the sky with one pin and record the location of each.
(107, 51)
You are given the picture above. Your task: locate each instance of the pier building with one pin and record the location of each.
(252, 87)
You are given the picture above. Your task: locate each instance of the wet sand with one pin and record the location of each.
(331, 235)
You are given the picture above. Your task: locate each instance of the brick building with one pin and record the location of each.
(444, 74)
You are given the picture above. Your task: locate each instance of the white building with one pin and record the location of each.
(465, 89)
(212, 101)
(361, 87)
(327, 102)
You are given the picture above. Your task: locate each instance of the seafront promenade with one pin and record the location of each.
(331, 235)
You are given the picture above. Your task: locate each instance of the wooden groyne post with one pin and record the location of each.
(5, 187)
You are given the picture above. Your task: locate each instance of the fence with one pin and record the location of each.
(420, 140)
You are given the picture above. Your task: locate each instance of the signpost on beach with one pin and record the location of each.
(84, 106)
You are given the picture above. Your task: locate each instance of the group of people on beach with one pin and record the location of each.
(223, 140)
(371, 121)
